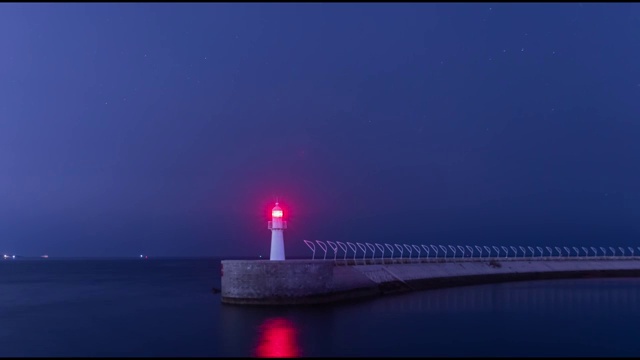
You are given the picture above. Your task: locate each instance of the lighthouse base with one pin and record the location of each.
(277, 245)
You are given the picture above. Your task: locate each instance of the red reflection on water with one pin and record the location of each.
(277, 338)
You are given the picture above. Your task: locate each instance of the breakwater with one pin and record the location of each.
(264, 282)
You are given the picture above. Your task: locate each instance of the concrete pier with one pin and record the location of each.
(263, 282)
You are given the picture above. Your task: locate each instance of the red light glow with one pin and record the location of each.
(276, 213)
(278, 338)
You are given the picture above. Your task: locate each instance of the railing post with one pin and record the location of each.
(312, 247)
(352, 246)
(409, 250)
(444, 250)
(417, 248)
(334, 247)
(373, 252)
(401, 251)
(364, 252)
(426, 249)
(497, 251)
(323, 246)
(461, 250)
(343, 246)
(390, 250)
(515, 251)
(381, 248)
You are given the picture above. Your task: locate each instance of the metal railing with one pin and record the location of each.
(374, 253)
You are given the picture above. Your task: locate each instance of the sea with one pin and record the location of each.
(166, 307)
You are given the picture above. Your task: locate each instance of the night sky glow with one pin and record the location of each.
(170, 129)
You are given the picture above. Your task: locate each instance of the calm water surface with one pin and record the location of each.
(166, 308)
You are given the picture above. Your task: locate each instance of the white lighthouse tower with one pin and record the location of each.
(277, 226)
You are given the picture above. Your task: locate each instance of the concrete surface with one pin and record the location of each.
(264, 282)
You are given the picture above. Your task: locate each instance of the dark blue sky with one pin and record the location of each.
(167, 129)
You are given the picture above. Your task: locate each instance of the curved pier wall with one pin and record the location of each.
(320, 281)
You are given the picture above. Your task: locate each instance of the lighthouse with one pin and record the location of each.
(277, 226)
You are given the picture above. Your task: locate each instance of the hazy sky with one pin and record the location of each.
(168, 129)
